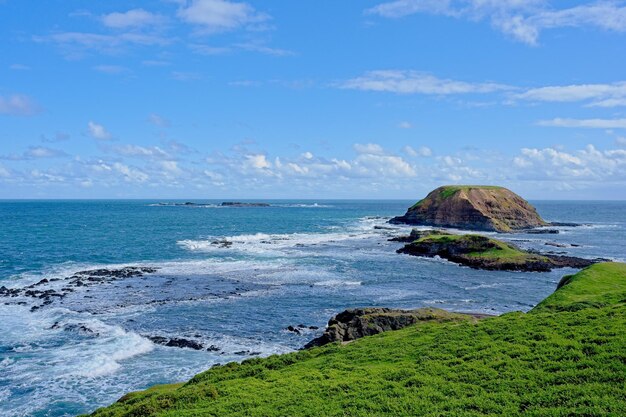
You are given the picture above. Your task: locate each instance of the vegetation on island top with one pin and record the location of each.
(482, 252)
(567, 356)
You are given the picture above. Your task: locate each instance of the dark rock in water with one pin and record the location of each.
(213, 348)
(540, 231)
(240, 204)
(79, 328)
(556, 245)
(473, 207)
(356, 323)
(222, 243)
(384, 228)
(176, 342)
(293, 329)
(247, 352)
(565, 224)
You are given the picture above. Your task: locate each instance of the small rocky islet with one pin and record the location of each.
(482, 208)
(474, 207)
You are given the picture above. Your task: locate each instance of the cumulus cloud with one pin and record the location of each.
(414, 82)
(523, 20)
(258, 161)
(18, 105)
(220, 15)
(586, 123)
(134, 18)
(97, 131)
(588, 164)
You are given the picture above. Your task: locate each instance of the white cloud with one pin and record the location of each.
(600, 95)
(75, 45)
(18, 105)
(307, 155)
(423, 151)
(414, 82)
(368, 148)
(621, 141)
(43, 152)
(97, 131)
(220, 15)
(159, 121)
(4, 173)
(171, 167)
(35, 152)
(585, 123)
(130, 174)
(140, 151)
(524, 20)
(405, 125)
(263, 49)
(589, 164)
(258, 161)
(131, 19)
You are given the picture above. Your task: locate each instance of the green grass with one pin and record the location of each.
(497, 251)
(450, 190)
(599, 286)
(553, 361)
(447, 191)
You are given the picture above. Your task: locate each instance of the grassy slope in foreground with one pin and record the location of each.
(566, 357)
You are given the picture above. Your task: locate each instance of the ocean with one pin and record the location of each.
(229, 279)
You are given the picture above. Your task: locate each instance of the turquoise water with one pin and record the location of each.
(296, 262)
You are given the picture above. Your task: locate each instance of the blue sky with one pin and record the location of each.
(311, 99)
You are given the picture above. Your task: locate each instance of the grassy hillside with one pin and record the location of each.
(554, 361)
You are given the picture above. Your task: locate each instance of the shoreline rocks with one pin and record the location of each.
(355, 323)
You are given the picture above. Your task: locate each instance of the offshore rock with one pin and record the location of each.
(487, 208)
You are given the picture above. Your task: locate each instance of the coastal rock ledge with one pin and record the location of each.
(355, 323)
(486, 208)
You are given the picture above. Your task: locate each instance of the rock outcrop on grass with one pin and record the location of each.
(355, 323)
(486, 208)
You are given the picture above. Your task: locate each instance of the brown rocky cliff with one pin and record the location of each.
(486, 208)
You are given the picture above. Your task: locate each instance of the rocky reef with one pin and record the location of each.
(487, 208)
(355, 323)
(481, 252)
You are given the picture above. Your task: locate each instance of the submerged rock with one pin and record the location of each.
(355, 323)
(240, 204)
(488, 208)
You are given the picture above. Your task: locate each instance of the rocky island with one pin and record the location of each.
(481, 252)
(485, 208)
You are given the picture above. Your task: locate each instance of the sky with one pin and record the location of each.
(316, 99)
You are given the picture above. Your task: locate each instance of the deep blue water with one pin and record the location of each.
(295, 262)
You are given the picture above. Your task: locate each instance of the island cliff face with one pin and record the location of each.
(486, 208)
